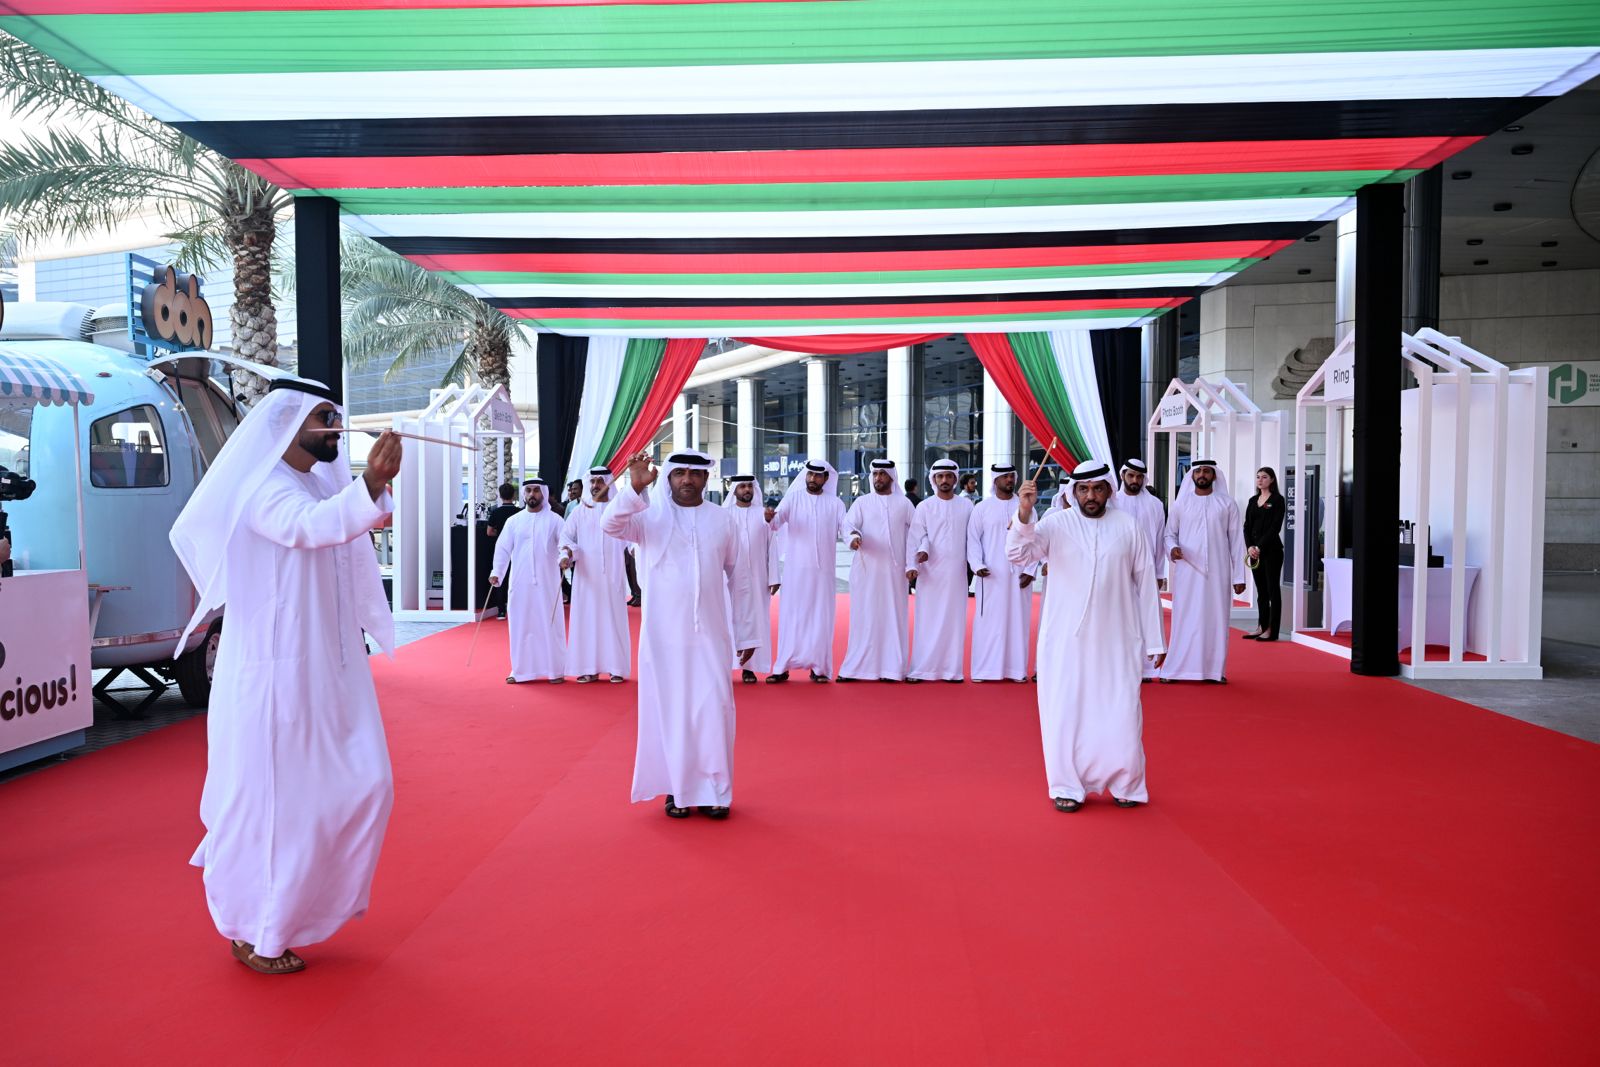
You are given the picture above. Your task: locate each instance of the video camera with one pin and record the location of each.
(13, 486)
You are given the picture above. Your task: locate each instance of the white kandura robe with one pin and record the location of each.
(938, 642)
(754, 576)
(597, 630)
(1101, 620)
(686, 713)
(298, 786)
(1211, 534)
(880, 626)
(528, 545)
(1151, 515)
(806, 602)
(1002, 623)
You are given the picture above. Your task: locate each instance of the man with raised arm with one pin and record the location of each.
(688, 551)
(298, 786)
(1101, 619)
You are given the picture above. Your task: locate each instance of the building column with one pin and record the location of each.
(999, 431)
(1424, 198)
(712, 431)
(316, 287)
(680, 423)
(1344, 276)
(903, 409)
(1375, 492)
(821, 374)
(749, 425)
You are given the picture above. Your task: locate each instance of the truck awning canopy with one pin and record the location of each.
(37, 380)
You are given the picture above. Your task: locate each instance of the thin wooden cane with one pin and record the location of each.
(481, 613)
(1045, 462)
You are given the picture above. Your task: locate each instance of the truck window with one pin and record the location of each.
(211, 414)
(127, 450)
(15, 427)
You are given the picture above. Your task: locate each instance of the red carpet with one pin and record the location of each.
(1440, 653)
(1333, 870)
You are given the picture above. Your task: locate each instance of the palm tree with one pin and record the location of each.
(105, 161)
(395, 310)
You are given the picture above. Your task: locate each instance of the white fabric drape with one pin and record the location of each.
(602, 372)
(1075, 363)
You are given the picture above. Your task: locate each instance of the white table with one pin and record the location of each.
(1336, 599)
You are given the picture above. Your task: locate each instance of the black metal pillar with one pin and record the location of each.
(1375, 601)
(316, 287)
(1420, 297)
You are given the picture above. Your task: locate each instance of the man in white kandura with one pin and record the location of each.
(528, 545)
(939, 538)
(1101, 620)
(298, 786)
(1003, 623)
(687, 551)
(597, 632)
(811, 520)
(755, 576)
(1205, 550)
(879, 523)
(1135, 498)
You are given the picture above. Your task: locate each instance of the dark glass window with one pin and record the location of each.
(128, 450)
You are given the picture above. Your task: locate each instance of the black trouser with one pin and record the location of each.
(1269, 587)
(633, 575)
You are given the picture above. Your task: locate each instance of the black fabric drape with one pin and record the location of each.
(561, 362)
(1116, 372)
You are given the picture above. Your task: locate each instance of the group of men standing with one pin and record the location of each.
(539, 546)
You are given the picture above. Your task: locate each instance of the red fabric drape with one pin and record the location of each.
(677, 363)
(994, 352)
(841, 344)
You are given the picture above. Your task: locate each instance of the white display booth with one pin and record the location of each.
(435, 491)
(1472, 488)
(1220, 422)
(47, 700)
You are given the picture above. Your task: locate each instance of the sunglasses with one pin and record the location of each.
(329, 418)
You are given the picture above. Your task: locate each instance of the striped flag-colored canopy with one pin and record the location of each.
(682, 168)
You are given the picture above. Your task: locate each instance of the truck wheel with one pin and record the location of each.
(193, 669)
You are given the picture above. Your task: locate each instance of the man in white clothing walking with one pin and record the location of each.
(879, 523)
(1205, 552)
(939, 538)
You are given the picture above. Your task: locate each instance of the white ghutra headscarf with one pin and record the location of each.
(205, 535)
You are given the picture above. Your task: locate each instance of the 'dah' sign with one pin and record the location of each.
(174, 311)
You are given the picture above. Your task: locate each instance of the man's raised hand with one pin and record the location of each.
(1027, 497)
(383, 463)
(641, 472)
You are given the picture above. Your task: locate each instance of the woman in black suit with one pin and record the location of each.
(1263, 519)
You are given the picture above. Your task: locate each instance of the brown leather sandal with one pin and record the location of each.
(288, 963)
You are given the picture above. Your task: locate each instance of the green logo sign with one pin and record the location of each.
(1575, 384)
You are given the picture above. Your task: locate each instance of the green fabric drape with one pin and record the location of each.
(1038, 362)
(640, 365)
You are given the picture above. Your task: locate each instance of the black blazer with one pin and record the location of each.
(1262, 523)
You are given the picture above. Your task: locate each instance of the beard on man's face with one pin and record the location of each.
(323, 447)
(815, 483)
(744, 492)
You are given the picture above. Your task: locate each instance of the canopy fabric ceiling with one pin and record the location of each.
(791, 167)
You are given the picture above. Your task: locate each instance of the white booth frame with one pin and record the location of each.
(1443, 363)
(1222, 413)
(479, 419)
